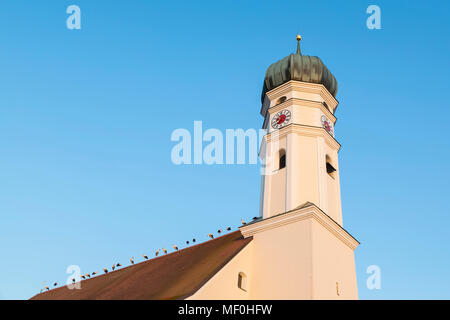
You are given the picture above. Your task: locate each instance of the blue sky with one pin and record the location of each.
(86, 117)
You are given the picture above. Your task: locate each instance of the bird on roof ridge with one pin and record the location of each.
(114, 266)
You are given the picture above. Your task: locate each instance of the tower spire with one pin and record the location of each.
(299, 38)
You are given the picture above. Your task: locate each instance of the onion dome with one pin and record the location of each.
(301, 68)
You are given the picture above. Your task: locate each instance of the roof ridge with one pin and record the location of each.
(148, 260)
(175, 276)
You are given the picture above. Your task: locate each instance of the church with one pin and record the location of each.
(297, 248)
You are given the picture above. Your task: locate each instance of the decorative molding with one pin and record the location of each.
(300, 86)
(297, 102)
(306, 131)
(310, 212)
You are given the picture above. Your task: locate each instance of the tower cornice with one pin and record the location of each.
(304, 103)
(304, 87)
(302, 213)
(305, 130)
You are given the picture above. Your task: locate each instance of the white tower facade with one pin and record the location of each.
(300, 150)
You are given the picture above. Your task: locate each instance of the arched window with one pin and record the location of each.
(330, 169)
(242, 281)
(282, 163)
(281, 100)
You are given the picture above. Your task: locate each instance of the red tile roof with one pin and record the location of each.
(174, 276)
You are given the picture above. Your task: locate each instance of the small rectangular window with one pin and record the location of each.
(283, 161)
(242, 279)
(330, 170)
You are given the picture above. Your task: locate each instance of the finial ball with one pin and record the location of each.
(299, 37)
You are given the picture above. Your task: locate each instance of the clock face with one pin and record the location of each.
(327, 125)
(281, 119)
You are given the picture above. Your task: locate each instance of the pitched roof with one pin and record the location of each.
(174, 276)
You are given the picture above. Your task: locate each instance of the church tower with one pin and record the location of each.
(300, 150)
(300, 248)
